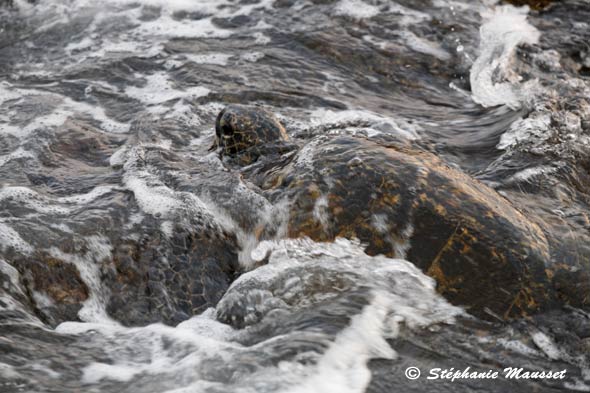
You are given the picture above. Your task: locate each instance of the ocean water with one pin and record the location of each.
(107, 113)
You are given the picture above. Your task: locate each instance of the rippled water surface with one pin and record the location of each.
(109, 174)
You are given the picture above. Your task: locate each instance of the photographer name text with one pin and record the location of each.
(508, 373)
(453, 374)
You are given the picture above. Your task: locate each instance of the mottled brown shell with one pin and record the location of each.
(169, 279)
(403, 202)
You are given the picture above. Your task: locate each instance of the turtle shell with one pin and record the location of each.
(169, 279)
(403, 202)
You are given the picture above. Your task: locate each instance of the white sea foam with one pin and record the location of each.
(119, 156)
(305, 155)
(51, 120)
(159, 89)
(536, 127)
(8, 303)
(88, 265)
(210, 58)
(343, 261)
(84, 43)
(202, 6)
(7, 92)
(84, 199)
(206, 7)
(32, 200)
(9, 372)
(343, 367)
(9, 238)
(15, 155)
(11, 286)
(184, 356)
(408, 15)
(530, 173)
(577, 386)
(180, 350)
(252, 56)
(301, 272)
(184, 111)
(155, 199)
(380, 124)
(425, 46)
(122, 48)
(166, 26)
(12, 274)
(320, 210)
(59, 206)
(267, 215)
(546, 344)
(45, 369)
(64, 109)
(518, 346)
(493, 82)
(97, 113)
(356, 9)
(260, 38)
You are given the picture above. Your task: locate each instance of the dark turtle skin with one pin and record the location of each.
(161, 279)
(244, 133)
(402, 201)
(155, 278)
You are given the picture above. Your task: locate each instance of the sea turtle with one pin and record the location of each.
(234, 139)
(403, 201)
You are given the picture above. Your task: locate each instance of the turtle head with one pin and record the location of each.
(241, 130)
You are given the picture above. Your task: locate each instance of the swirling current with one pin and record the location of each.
(136, 256)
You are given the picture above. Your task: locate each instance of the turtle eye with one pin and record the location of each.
(227, 130)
